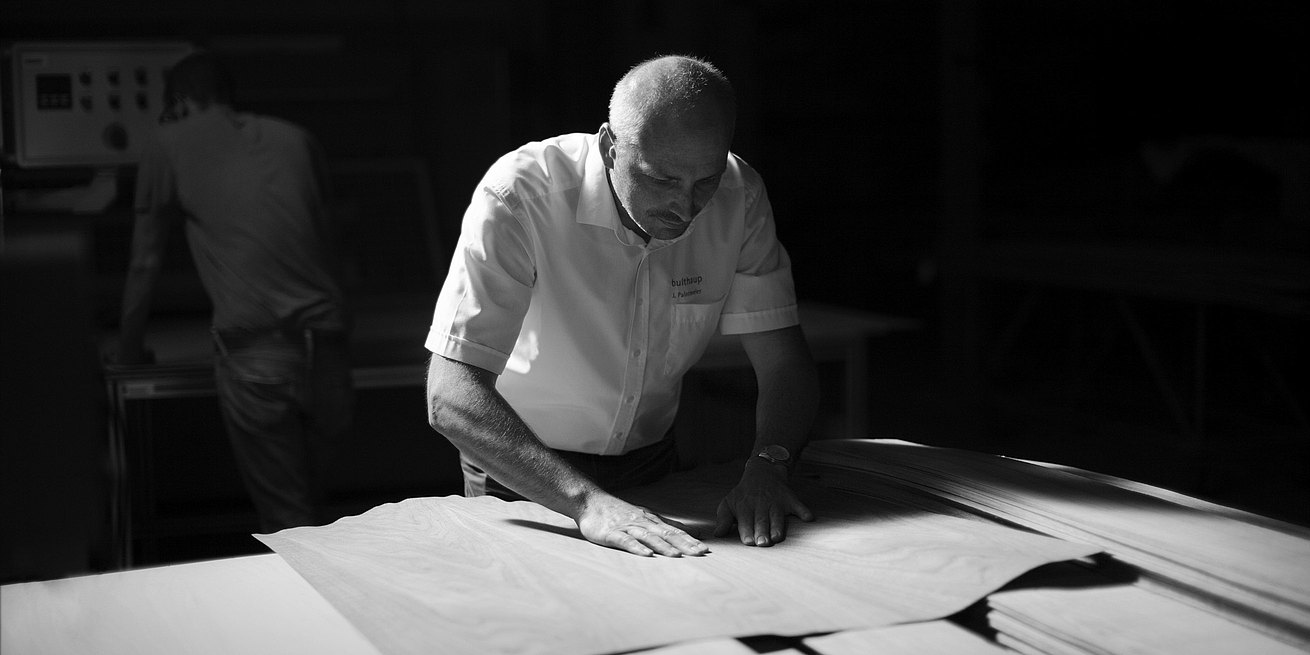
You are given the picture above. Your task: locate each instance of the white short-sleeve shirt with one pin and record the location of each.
(589, 328)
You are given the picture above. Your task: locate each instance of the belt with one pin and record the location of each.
(238, 339)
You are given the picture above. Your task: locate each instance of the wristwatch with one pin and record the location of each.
(775, 454)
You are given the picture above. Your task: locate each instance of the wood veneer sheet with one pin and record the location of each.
(461, 575)
(927, 638)
(1257, 572)
(1121, 619)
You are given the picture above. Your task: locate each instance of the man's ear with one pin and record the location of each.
(607, 145)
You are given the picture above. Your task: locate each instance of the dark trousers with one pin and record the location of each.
(287, 403)
(612, 472)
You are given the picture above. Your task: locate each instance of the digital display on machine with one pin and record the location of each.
(54, 92)
(86, 103)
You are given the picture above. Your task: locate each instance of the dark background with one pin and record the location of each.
(984, 167)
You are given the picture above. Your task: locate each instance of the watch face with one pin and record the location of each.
(775, 454)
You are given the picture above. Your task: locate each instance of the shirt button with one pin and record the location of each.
(631, 398)
(636, 353)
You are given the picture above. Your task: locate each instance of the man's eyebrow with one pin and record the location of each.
(652, 169)
(720, 173)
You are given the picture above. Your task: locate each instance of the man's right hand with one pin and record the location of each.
(463, 405)
(611, 522)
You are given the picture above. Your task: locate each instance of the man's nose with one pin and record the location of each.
(687, 203)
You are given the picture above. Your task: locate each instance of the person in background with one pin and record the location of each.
(591, 272)
(251, 192)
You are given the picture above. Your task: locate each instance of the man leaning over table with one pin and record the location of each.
(591, 272)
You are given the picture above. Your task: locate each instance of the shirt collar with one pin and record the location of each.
(596, 206)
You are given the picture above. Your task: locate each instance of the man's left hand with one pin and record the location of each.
(760, 505)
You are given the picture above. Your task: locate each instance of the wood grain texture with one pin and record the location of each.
(1120, 619)
(253, 604)
(711, 647)
(482, 575)
(1253, 571)
(926, 638)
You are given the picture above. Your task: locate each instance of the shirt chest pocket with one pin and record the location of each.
(691, 327)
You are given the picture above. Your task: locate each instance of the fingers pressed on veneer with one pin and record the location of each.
(686, 543)
(762, 528)
(725, 519)
(655, 541)
(802, 511)
(746, 529)
(625, 541)
(778, 522)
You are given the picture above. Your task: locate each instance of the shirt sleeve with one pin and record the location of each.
(488, 288)
(156, 185)
(763, 296)
(155, 204)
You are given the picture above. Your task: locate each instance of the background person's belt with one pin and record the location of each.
(237, 339)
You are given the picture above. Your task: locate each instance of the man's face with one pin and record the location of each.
(664, 177)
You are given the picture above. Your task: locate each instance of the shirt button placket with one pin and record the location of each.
(636, 370)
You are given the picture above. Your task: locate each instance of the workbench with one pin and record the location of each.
(1048, 560)
(390, 365)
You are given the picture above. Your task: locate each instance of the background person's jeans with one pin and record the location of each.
(287, 402)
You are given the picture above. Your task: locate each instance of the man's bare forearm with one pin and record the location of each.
(785, 413)
(464, 406)
(788, 389)
(138, 288)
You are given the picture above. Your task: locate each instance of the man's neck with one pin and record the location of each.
(624, 218)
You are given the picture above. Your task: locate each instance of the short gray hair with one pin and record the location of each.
(668, 86)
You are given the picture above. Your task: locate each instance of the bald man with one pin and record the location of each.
(591, 272)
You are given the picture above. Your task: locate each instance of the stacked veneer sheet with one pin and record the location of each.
(1254, 572)
(923, 638)
(1118, 619)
